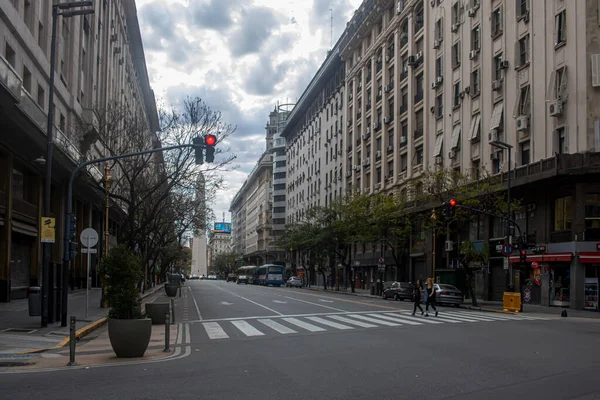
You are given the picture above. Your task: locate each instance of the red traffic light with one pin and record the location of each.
(523, 252)
(452, 203)
(210, 140)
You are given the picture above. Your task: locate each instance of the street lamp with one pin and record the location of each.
(505, 146)
(63, 9)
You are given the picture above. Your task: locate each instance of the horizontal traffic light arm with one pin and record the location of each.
(492, 214)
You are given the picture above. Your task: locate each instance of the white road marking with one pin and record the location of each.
(314, 304)
(426, 320)
(352, 322)
(496, 317)
(276, 326)
(195, 304)
(395, 318)
(375, 320)
(451, 317)
(279, 302)
(323, 321)
(187, 334)
(214, 330)
(475, 317)
(179, 334)
(247, 329)
(326, 301)
(248, 300)
(226, 303)
(304, 325)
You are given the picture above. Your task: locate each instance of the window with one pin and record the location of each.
(404, 132)
(418, 157)
(42, 37)
(558, 85)
(523, 105)
(525, 153)
(457, 94)
(561, 141)
(497, 22)
(378, 175)
(522, 8)
(497, 114)
(62, 125)
(10, 55)
(391, 110)
(563, 213)
(476, 38)
(498, 67)
(560, 28)
(419, 88)
(439, 67)
(18, 185)
(522, 52)
(456, 55)
(27, 79)
(403, 162)
(41, 97)
(439, 145)
(378, 143)
(439, 30)
(404, 102)
(439, 106)
(476, 170)
(419, 124)
(592, 211)
(475, 131)
(475, 83)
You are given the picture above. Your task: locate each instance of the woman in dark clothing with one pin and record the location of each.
(417, 297)
(430, 297)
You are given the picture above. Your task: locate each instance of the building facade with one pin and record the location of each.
(428, 85)
(219, 243)
(99, 62)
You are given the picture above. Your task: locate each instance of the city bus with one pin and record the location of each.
(269, 274)
(249, 271)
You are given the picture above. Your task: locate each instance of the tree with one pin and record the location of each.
(157, 194)
(471, 260)
(224, 263)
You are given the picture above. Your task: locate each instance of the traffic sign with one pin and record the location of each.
(89, 251)
(89, 237)
(507, 249)
(48, 233)
(381, 260)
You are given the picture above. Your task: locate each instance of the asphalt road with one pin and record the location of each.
(250, 342)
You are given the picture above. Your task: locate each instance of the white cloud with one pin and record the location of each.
(241, 57)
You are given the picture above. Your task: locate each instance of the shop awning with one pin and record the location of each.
(551, 257)
(592, 257)
(24, 229)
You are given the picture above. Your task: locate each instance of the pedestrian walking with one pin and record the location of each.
(430, 297)
(417, 297)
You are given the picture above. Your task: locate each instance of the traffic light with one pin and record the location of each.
(523, 256)
(197, 142)
(73, 250)
(210, 141)
(449, 208)
(73, 227)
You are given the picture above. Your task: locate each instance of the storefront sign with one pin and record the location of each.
(48, 233)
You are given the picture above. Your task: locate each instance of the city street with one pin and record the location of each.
(250, 342)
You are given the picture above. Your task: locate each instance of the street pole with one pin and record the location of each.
(48, 179)
(107, 183)
(508, 219)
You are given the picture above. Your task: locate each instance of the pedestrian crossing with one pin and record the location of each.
(262, 326)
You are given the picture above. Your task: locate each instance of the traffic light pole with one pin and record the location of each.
(68, 233)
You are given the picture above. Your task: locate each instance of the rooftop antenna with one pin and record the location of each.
(331, 29)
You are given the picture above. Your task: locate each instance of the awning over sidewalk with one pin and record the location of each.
(592, 257)
(552, 257)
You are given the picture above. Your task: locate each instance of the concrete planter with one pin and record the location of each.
(157, 312)
(129, 337)
(171, 289)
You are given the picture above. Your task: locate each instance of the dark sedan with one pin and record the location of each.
(242, 279)
(398, 291)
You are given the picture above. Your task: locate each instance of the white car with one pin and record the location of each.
(294, 281)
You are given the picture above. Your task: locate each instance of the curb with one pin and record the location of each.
(85, 330)
(493, 310)
(368, 296)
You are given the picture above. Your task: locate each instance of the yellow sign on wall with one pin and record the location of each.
(47, 231)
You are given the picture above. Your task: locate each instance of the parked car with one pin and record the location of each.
(212, 277)
(398, 291)
(242, 279)
(294, 281)
(231, 278)
(448, 294)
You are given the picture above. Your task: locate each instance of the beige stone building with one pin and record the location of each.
(99, 61)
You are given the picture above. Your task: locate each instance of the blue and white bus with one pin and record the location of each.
(269, 274)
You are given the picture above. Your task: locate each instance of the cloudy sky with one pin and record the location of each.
(241, 57)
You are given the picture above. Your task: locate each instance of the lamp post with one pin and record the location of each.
(505, 146)
(62, 9)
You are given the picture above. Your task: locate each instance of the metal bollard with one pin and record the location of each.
(72, 339)
(167, 331)
(173, 310)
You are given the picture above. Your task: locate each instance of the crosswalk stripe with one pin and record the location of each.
(214, 330)
(456, 318)
(276, 326)
(394, 318)
(247, 329)
(304, 325)
(496, 317)
(426, 320)
(508, 316)
(323, 321)
(352, 322)
(375, 320)
(475, 317)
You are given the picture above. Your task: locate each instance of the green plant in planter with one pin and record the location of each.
(122, 271)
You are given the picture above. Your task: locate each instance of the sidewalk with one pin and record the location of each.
(483, 305)
(20, 333)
